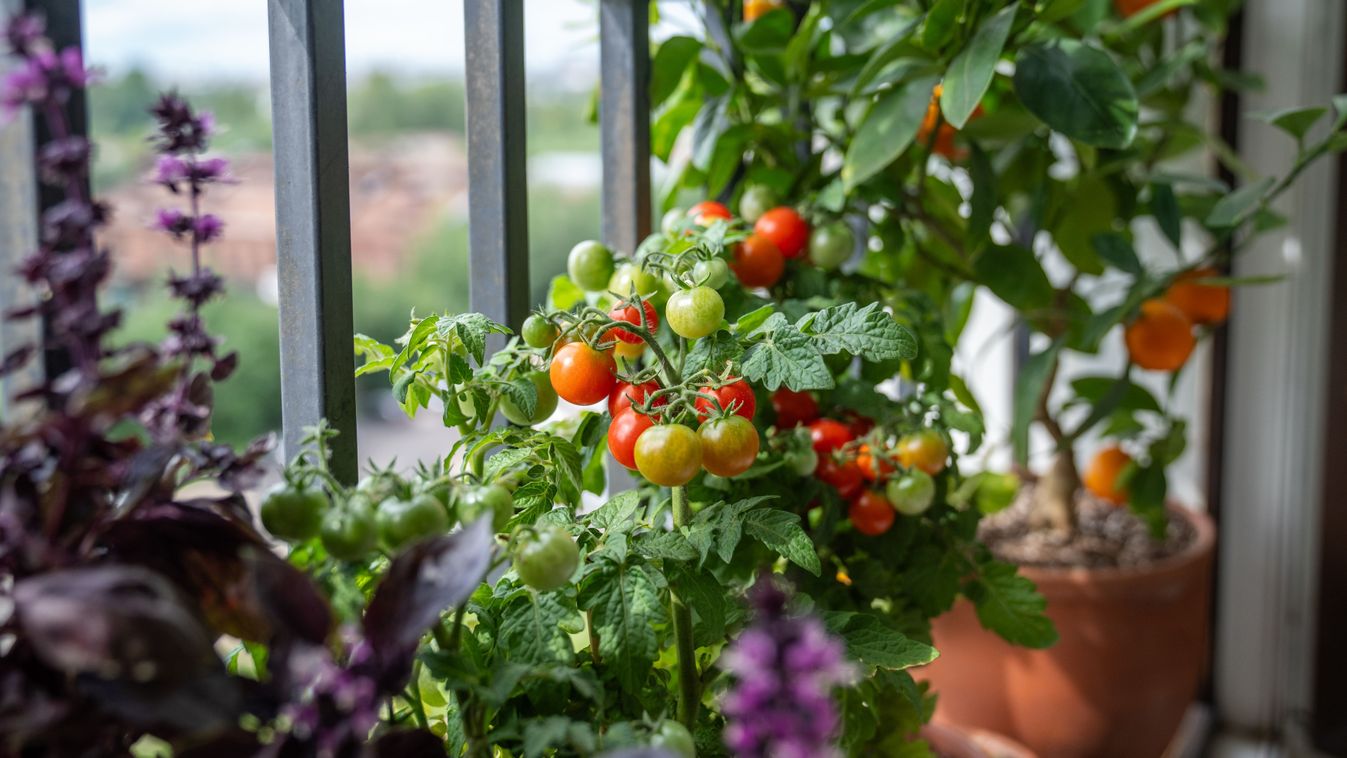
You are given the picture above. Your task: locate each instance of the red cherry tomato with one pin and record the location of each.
(844, 476)
(875, 468)
(828, 435)
(784, 227)
(737, 393)
(707, 211)
(793, 408)
(623, 433)
(624, 395)
(859, 425)
(871, 513)
(581, 374)
(757, 262)
(630, 315)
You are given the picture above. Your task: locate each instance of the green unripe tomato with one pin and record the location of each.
(628, 275)
(669, 222)
(695, 313)
(590, 265)
(546, 558)
(912, 493)
(381, 486)
(404, 521)
(293, 514)
(756, 200)
(481, 500)
(713, 273)
(830, 245)
(538, 332)
(675, 738)
(349, 533)
(543, 410)
(802, 461)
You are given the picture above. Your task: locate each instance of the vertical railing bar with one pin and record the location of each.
(497, 181)
(23, 198)
(624, 124)
(313, 223)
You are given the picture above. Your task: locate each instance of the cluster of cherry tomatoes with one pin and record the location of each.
(876, 479)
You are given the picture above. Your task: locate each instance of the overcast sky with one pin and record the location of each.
(189, 40)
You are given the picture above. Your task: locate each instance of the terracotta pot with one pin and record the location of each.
(1134, 645)
(950, 741)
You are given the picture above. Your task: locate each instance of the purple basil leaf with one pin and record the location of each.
(406, 743)
(422, 582)
(288, 597)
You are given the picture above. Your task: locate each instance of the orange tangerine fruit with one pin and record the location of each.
(1204, 304)
(1101, 476)
(1160, 338)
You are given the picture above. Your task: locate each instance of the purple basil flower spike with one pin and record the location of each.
(207, 228)
(24, 32)
(785, 670)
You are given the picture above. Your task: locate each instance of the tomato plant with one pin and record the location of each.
(350, 533)
(758, 262)
(582, 374)
(404, 521)
(633, 315)
(695, 313)
(590, 265)
(668, 454)
(736, 395)
(729, 445)
(293, 512)
(793, 408)
(831, 245)
(623, 431)
(828, 435)
(545, 558)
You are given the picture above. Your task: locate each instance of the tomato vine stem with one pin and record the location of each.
(689, 681)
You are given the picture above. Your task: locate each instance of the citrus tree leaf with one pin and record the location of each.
(971, 71)
(888, 130)
(1079, 91)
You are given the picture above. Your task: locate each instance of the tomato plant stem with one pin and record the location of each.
(689, 690)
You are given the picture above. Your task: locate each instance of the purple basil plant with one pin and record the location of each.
(785, 668)
(116, 587)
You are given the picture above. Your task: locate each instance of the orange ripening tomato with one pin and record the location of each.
(1203, 304)
(755, 9)
(707, 211)
(757, 262)
(944, 138)
(875, 468)
(1160, 338)
(925, 451)
(582, 375)
(1101, 476)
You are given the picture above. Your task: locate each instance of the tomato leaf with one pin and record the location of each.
(887, 131)
(625, 602)
(971, 71)
(866, 331)
(666, 546)
(877, 645)
(1009, 605)
(1079, 91)
(785, 356)
(780, 531)
(471, 329)
(713, 352)
(532, 628)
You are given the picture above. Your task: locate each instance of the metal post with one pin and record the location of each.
(23, 198)
(497, 184)
(624, 121)
(313, 223)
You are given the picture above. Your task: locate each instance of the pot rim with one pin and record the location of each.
(1199, 550)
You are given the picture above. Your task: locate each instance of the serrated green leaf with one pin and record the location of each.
(472, 329)
(1079, 91)
(625, 604)
(785, 356)
(704, 593)
(618, 514)
(523, 394)
(1009, 605)
(531, 628)
(665, 545)
(876, 645)
(971, 71)
(780, 531)
(725, 521)
(564, 294)
(865, 331)
(888, 130)
(713, 352)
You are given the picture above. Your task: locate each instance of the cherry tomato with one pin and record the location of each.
(624, 395)
(925, 450)
(630, 277)
(827, 435)
(713, 273)
(875, 468)
(625, 428)
(538, 332)
(293, 513)
(630, 315)
(707, 211)
(831, 245)
(756, 200)
(757, 262)
(590, 265)
(669, 222)
(480, 500)
(674, 738)
(737, 393)
(350, 533)
(803, 461)
(786, 229)
(729, 445)
(844, 476)
(793, 408)
(912, 493)
(695, 313)
(858, 424)
(627, 351)
(871, 513)
(405, 521)
(668, 454)
(542, 409)
(582, 375)
(546, 558)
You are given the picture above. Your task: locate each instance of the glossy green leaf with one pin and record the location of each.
(971, 71)
(1296, 122)
(1236, 208)
(887, 131)
(1078, 90)
(669, 64)
(1013, 274)
(1034, 374)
